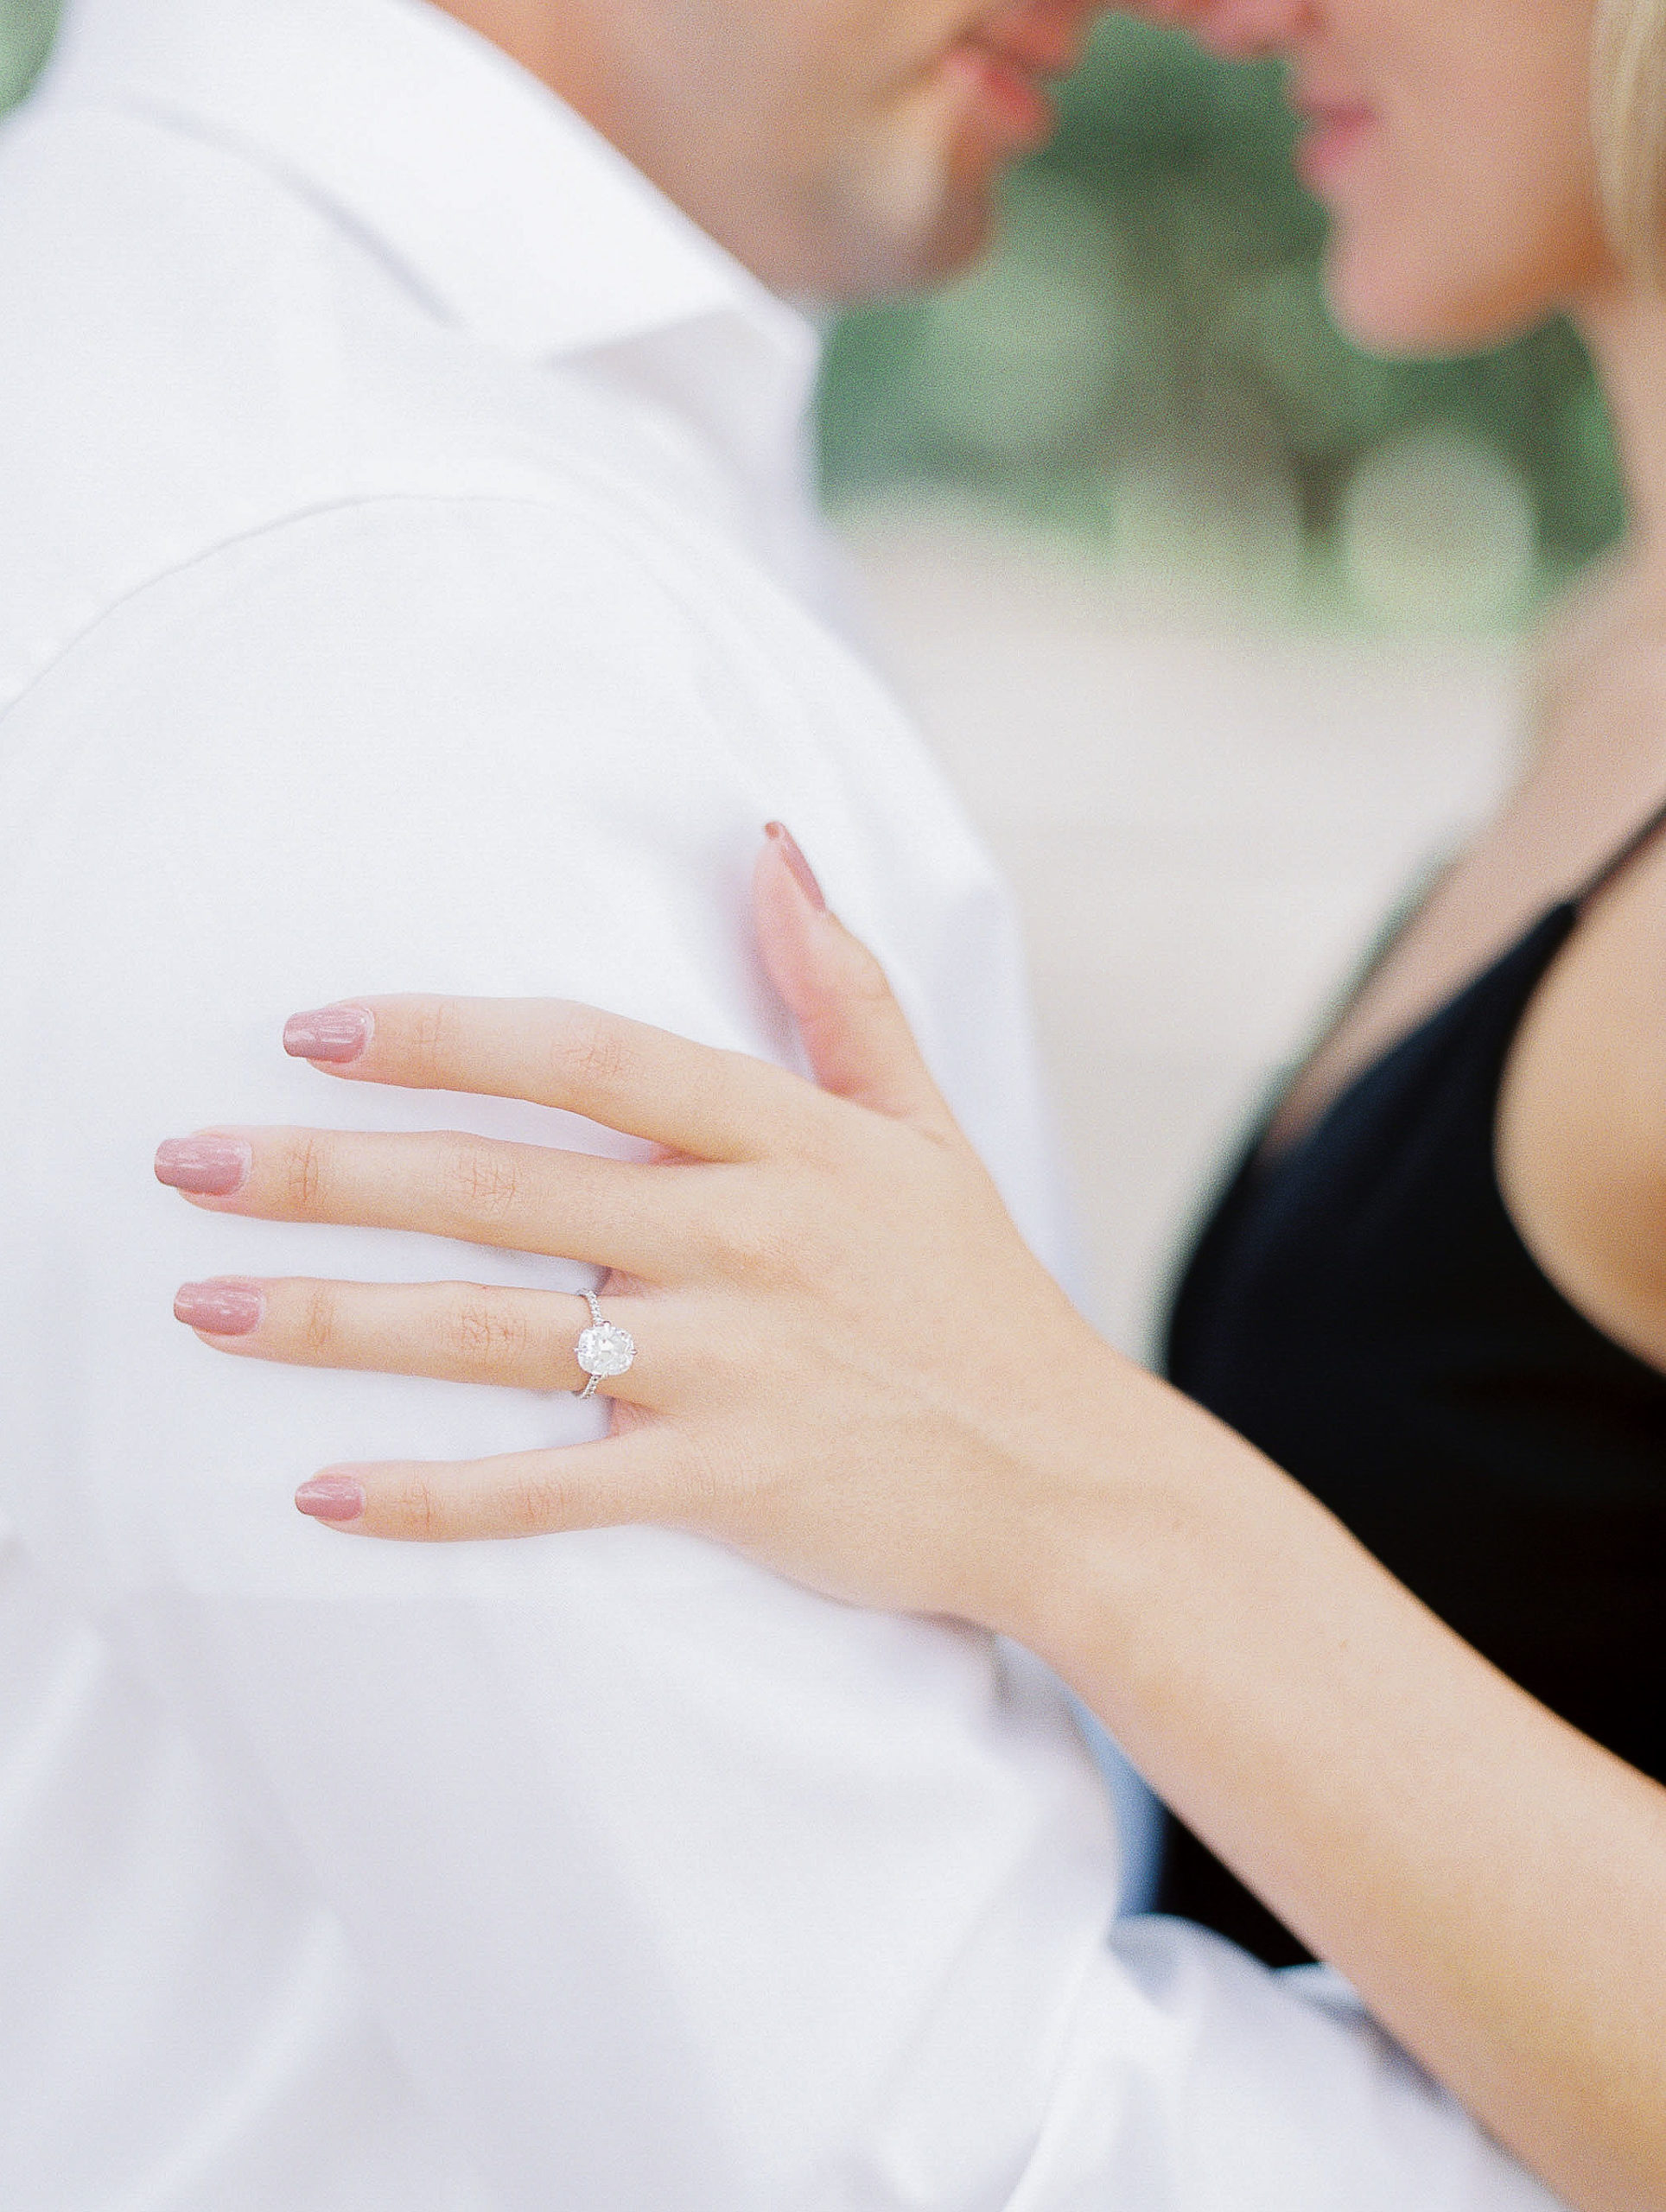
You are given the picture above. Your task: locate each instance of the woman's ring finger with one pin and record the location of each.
(604, 1350)
(452, 1331)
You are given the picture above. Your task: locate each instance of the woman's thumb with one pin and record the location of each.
(857, 1036)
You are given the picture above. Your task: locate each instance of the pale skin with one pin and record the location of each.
(1493, 1883)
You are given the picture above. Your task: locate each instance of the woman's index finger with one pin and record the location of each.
(698, 1099)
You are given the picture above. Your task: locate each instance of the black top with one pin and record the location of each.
(1361, 1307)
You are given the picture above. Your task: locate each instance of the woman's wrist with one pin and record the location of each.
(1138, 1490)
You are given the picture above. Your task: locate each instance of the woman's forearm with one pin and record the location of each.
(1493, 1882)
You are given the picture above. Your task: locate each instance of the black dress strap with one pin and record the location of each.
(1645, 834)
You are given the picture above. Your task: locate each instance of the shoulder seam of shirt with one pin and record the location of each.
(275, 526)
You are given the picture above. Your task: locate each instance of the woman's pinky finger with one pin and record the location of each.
(624, 1479)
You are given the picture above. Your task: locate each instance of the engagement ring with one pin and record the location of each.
(603, 1350)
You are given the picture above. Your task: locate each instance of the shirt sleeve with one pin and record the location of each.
(674, 1885)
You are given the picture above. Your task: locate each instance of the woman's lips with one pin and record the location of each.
(1334, 135)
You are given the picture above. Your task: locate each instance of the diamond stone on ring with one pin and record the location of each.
(603, 1350)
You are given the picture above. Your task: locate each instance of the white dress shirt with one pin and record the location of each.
(406, 581)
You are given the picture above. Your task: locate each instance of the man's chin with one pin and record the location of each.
(875, 267)
(911, 224)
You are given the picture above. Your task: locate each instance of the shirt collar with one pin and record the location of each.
(509, 212)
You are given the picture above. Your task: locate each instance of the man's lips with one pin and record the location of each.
(1042, 43)
(1011, 96)
(1011, 64)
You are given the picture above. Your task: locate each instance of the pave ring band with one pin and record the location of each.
(603, 1350)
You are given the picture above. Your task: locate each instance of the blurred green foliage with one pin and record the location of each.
(1157, 291)
(26, 27)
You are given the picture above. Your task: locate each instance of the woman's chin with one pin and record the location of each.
(1399, 312)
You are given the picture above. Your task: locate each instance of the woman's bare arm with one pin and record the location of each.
(1493, 1882)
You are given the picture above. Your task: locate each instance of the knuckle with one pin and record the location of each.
(532, 1503)
(303, 1174)
(484, 1179)
(761, 1243)
(486, 1336)
(423, 1512)
(595, 1051)
(819, 1138)
(320, 1319)
(433, 1038)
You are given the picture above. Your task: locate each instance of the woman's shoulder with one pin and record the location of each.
(1581, 1128)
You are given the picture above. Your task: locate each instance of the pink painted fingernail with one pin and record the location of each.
(224, 1309)
(787, 845)
(331, 1497)
(334, 1033)
(208, 1168)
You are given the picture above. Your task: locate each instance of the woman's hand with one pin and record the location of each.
(851, 1367)
(849, 1362)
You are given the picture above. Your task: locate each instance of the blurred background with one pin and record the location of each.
(1221, 628)
(1145, 369)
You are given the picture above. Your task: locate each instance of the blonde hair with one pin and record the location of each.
(1631, 120)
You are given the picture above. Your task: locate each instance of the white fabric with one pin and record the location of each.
(401, 573)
